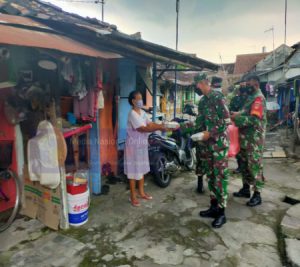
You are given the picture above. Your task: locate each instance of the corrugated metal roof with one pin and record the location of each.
(24, 37)
(183, 78)
(56, 18)
(17, 20)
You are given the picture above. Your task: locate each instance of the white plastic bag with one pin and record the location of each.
(42, 156)
(100, 100)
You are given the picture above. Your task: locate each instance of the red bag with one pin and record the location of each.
(234, 147)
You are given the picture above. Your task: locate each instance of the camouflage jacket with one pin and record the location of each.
(213, 116)
(237, 102)
(252, 122)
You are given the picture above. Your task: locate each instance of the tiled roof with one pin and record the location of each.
(246, 62)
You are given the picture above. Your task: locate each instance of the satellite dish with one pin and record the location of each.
(47, 65)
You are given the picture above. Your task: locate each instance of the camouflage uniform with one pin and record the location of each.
(252, 128)
(212, 154)
(237, 103)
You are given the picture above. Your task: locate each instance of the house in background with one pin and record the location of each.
(231, 73)
(184, 90)
(246, 62)
(271, 68)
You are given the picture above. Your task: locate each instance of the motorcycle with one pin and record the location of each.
(168, 155)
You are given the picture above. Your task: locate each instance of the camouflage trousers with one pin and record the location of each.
(200, 156)
(215, 166)
(252, 168)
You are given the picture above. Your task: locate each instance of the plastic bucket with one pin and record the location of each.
(78, 208)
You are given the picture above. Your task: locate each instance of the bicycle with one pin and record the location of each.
(10, 197)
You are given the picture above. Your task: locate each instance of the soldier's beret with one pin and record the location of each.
(200, 77)
(252, 77)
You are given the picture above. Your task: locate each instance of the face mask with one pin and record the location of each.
(218, 90)
(139, 104)
(243, 90)
(250, 89)
(198, 92)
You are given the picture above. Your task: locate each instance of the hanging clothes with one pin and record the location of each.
(89, 74)
(67, 71)
(87, 107)
(78, 88)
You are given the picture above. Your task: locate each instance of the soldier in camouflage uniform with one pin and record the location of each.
(216, 85)
(236, 104)
(212, 120)
(189, 128)
(200, 149)
(252, 128)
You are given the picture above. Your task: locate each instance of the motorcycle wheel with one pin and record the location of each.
(191, 163)
(161, 178)
(296, 136)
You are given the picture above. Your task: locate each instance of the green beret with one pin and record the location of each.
(200, 77)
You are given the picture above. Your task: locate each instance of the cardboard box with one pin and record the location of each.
(41, 203)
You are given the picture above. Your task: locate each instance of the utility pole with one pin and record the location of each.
(177, 16)
(102, 2)
(175, 93)
(285, 17)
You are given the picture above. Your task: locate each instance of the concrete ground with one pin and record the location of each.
(166, 231)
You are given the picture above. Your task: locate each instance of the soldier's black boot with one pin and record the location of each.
(200, 188)
(220, 219)
(238, 169)
(255, 200)
(212, 212)
(243, 192)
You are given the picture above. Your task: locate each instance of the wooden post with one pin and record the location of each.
(154, 90)
(64, 218)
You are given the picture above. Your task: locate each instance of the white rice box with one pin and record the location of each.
(197, 137)
(171, 124)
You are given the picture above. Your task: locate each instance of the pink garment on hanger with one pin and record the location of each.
(86, 108)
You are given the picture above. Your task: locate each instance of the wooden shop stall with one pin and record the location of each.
(51, 95)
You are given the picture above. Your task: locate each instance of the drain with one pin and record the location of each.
(291, 201)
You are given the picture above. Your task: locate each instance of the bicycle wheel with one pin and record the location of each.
(9, 198)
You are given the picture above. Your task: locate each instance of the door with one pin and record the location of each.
(127, 75)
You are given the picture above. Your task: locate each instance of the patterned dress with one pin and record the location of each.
(136, 157)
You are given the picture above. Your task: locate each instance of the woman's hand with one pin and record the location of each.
(163, 127)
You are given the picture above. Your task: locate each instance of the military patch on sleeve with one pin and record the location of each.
(257, 108)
